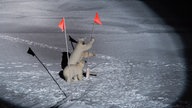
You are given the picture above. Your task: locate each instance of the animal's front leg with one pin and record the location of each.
(89, 45)
(75, 78)
(80, 76)
(68, 80)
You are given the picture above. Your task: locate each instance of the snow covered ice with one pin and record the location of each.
(115, 85)
(138, 59)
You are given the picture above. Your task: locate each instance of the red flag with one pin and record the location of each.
(97, 19)
(61, 24)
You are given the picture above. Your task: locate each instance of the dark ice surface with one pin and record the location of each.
(140, 61)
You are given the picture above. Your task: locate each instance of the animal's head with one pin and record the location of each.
(81, 41)
(81, 63)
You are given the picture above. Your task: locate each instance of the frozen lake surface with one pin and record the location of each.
(139, 61)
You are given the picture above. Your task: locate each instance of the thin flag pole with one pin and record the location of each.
(88, 69)
(33, 54)
(66, 44)
(51, 76)
(62, 26)
(92, 31)
(96, 20)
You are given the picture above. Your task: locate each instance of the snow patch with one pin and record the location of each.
(29, 42)
(19, 66)
(109, 88)
(2, 67)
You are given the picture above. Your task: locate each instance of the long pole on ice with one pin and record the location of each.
(66, 44)
(30, 51)
(92, 31)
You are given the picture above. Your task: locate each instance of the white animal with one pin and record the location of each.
(74, 71)
(80, 51)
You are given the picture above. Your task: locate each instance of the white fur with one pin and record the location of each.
(77, 54)
(74, 72)
(86, 54)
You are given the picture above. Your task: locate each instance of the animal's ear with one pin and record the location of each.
(83, 43)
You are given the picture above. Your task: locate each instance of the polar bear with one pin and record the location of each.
(80, 51)
(74, 71)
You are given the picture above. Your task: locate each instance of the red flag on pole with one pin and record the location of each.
(61, 24)
(97, 19)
